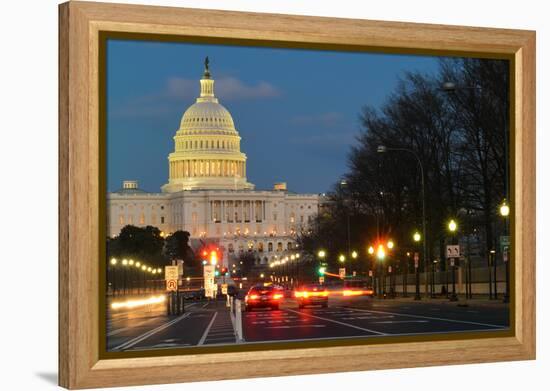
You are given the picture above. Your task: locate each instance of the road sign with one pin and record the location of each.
(180, 267)
(171, 273)
(370, 273)
(172, 285)
(453, 251)
(505, 240)
(505, 250)
(342, 272)
(209, 290)
(416, 259)
(209, 273)
(453, 261)
(224, 289)
(321, 280)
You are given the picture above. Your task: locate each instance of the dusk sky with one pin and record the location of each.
(297, 111)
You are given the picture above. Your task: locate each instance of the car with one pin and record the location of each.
(311, 294)
(260, 296)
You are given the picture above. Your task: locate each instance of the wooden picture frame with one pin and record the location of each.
(80, 165)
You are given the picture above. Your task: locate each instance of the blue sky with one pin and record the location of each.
(297, 111)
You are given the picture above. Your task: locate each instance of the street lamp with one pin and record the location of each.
(390, 244)
(321, 254)
(505, 212)
(342, 258)
(452, 228)
(113, 263)
(384, 149)
(417, 236)
(354, 254)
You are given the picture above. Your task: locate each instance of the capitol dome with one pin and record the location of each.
(207, 152)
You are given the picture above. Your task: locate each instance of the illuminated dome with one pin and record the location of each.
(207, 153)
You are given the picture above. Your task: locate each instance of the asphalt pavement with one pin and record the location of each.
(209, 322)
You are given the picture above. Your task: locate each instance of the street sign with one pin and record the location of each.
(209, 273)
(171, 273)
(172, 285)
(180, 267)
(342, 272)
(224, 289)
(453, 251)
(416, 259)
(389, 269)
(370, 273)
(321, 280)
(452, 261)
(354, 273)
(505, 250)
(505, 240)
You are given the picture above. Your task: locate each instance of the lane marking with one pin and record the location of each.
(402, 321)
(433, 318)
(338, 322)
(201, 341)
(140, 324)
(296, 326)
(138, 339)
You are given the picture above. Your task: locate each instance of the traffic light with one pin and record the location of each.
(322, 270)
(216, 273)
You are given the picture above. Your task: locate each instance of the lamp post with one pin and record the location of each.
(113, 267)
(384, 149)
(380, 255)
(505, 212)
(452, 228)
(417, 238)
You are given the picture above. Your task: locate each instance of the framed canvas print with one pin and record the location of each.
(270, 193)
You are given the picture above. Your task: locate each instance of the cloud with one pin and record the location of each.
(177, 91)
(329, 139)
(328, 119)
(226, 88)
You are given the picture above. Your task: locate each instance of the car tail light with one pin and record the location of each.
(250, 297)
(277, 296)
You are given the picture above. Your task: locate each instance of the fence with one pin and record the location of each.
(480, 279)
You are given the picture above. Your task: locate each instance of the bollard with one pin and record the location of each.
(238, 321)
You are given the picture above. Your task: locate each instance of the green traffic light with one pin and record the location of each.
(322, 271)
(216, 273)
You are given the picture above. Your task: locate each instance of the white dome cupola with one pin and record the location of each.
(207, 153)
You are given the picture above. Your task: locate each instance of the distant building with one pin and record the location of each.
(208, 193)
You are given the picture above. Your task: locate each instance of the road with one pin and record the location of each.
(209, 323)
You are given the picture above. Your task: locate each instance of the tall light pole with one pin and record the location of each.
(504, 212)
(416, 238)
(452, 228)
(384, 149)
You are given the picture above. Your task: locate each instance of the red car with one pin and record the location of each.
(263, 297)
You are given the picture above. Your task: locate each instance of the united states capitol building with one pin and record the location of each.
(208, 193)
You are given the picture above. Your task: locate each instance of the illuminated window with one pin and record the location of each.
(261, 247)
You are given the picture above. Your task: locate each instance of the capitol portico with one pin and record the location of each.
(208, 193)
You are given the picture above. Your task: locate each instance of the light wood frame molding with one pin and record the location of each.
(80, 365)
